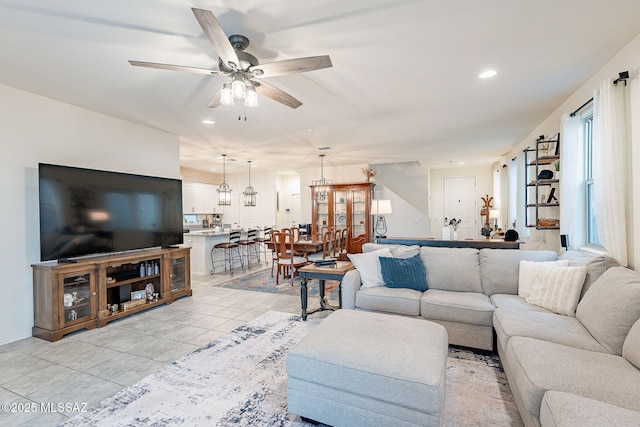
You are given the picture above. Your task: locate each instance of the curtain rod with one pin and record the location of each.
(581, 107)
(622, 77)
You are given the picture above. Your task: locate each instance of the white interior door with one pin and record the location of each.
(460, 202)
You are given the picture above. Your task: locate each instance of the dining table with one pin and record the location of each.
(311, 246)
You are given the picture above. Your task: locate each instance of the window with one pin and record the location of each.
(592, 225)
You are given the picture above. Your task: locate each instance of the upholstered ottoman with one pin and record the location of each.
(369, 369)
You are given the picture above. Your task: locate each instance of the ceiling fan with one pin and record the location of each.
(242, 67)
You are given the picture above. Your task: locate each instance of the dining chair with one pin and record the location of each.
(327, 244)
(343, 248)
(288, 263)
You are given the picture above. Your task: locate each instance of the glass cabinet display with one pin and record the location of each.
(77, 298)
(344, 206)
(64, 299)
(179, 276)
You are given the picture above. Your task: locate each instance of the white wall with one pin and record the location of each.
(628, 59)
(37, 129)
(484, 186)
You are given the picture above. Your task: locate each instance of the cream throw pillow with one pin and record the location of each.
(368, 265)
(528, 272)
(558, 288)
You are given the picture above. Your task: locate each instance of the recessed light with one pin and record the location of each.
(213, 169)
(487, 74)
(461, 163)
(208, 122)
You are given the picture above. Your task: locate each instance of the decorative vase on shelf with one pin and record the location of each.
(455, 234)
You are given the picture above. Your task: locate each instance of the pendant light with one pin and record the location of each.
(224, 191)
(249, 193)
(322, 187)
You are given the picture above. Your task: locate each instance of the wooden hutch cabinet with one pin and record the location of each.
(346, 206)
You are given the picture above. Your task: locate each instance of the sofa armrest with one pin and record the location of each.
(350, 285)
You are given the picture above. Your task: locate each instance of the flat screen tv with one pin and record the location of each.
(86, 211)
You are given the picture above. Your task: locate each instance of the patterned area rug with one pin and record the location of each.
(240, 380)
(262, 281)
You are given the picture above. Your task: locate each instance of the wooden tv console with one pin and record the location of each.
(93, 291)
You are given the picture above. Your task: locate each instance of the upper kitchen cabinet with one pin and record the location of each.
(198, 197)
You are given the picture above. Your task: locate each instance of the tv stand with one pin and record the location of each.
(88, 293)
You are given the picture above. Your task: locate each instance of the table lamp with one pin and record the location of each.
(494, 214)
(381, 207)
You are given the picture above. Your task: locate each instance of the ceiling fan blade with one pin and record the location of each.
(291, 66)
(215, 99)
(276, 94)
(217, 37)
(174, 67)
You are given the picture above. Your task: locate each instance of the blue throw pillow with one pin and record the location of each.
(404, 273)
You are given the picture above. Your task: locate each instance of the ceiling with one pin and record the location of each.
(404, 84)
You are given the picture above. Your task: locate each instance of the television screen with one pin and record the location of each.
(85, 211)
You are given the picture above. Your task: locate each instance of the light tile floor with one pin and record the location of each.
(88, 366)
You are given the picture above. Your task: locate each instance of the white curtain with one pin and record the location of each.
(521, 215)
(512, 188)
(611, 154)
(572, 189)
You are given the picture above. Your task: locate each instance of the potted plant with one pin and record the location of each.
(556, 165)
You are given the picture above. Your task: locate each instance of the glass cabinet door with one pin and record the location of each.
(359, 213)
(77, 298)
(322, 215)
(340, 209)
(178, 274)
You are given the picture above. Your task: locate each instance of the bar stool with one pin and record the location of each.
(248, 244)
(262, 242)
(228, 249)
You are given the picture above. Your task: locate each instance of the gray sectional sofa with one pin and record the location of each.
(563, 370)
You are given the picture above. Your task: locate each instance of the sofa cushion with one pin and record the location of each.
(509, 322)
(514, 301)
(499, 268)
(557, 288)
(538, 366)
(596, 265)
(452, 269)
(381, 298)
(404, 273)
(560, 409)
(398, 251)
(368, 265)
(631, 347)
(528, 271)
(473, 308)
(611, 307)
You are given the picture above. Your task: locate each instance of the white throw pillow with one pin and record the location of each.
(529, 270)
(368, 265)
(558, 288)
(405, 251)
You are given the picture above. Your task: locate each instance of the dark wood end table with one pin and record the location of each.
(322, 273)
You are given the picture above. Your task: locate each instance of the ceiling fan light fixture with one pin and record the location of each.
(251, 98)
(226, 98)
(238, 88)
